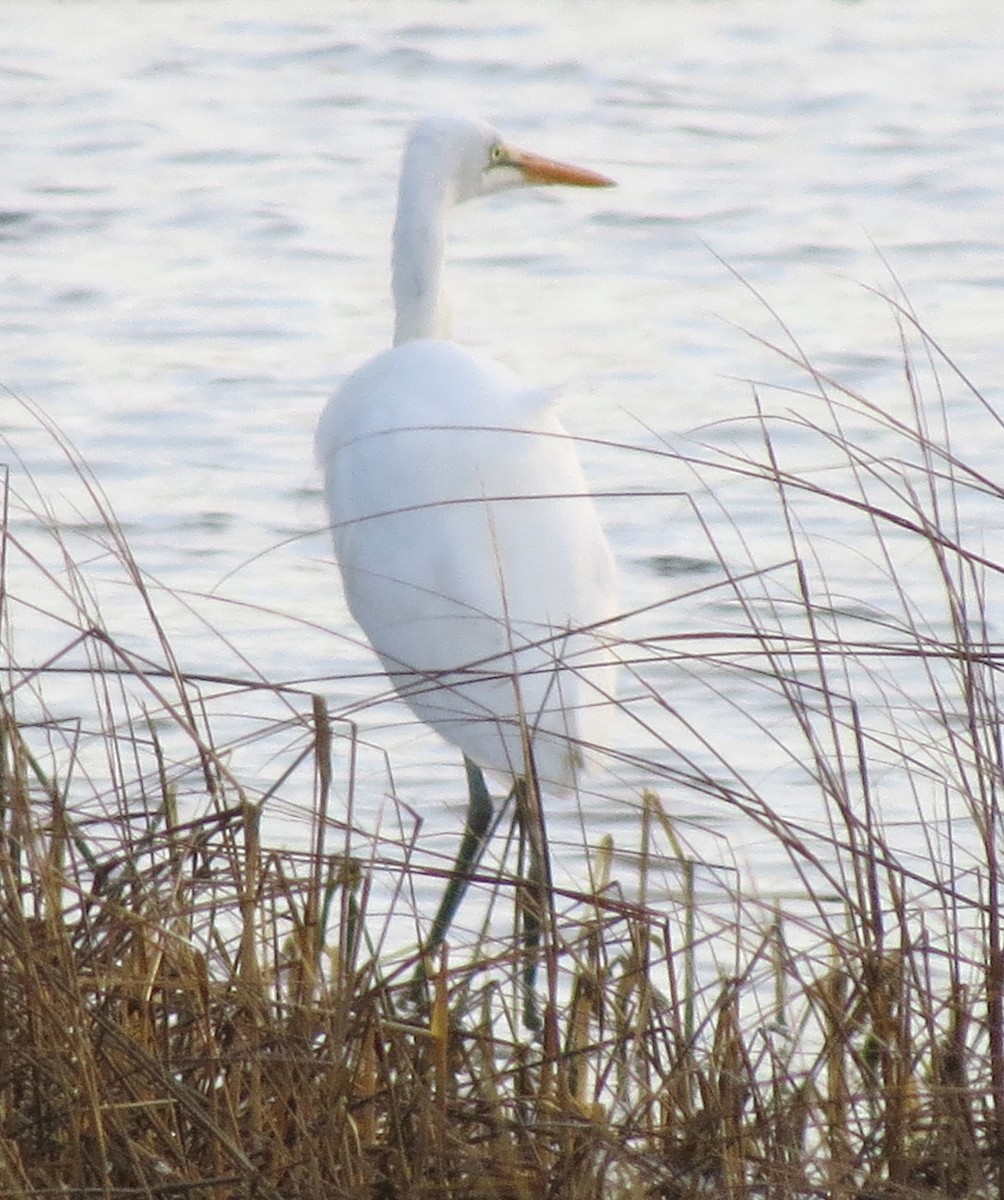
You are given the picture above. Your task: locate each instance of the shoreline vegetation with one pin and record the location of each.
(187, 1010)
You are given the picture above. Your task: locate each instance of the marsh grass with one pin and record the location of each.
(189, 1009)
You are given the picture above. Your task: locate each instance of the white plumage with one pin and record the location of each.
(469, 546)
(470, 552)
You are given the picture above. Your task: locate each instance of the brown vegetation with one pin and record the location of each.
(187, 1010)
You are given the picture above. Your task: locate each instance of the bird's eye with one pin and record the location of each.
(497, 155)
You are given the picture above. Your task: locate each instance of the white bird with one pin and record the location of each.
(469, 546)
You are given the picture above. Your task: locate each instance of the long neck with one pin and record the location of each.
(419, 247)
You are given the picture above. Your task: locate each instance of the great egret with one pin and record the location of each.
(469, 546)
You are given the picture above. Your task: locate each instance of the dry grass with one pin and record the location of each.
(188, 1010)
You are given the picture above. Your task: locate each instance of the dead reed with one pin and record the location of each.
(187, 1009)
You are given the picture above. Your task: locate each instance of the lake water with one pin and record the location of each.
(195, 208)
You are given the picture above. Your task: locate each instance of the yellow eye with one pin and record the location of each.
(497, 155)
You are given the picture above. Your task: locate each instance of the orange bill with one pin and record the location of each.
(538, 170)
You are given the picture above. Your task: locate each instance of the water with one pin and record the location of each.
(194, 219)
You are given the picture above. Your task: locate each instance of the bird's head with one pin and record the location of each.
(474, 160)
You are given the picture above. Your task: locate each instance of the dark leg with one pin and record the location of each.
(535, 897)
(476, 829)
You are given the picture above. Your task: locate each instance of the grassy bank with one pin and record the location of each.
(187, 1009)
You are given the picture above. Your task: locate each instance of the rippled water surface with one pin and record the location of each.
(195, 208)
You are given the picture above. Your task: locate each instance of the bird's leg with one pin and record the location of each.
(535, 899)
(479, 818)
